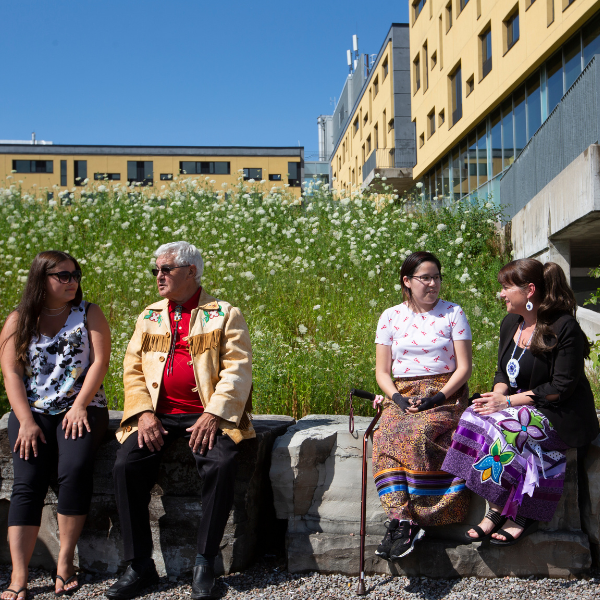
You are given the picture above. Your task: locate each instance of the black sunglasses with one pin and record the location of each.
(66, 276)
(166, 270)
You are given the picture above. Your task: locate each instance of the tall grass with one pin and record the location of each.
(311, 276)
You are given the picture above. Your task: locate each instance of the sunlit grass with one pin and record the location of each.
(310, 276)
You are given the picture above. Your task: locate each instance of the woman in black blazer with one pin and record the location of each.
(510, 446)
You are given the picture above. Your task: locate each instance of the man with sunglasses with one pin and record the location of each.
(187, 373)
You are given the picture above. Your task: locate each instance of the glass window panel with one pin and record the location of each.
(22, 166)
(572, 61)
(482, 171)
(464, 168)
(63, 172)
(555, 81)
(507, 134)
(222, 168)
(534, 105)
(456, 173)
(472, 153)
(186, 166)
(520, 120)
(131, 170)
(496, 143)
(148, 169)
(591, 39)
(446, 176)
(293, 171)
(438, 181)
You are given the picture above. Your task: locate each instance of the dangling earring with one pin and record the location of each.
(529, 305)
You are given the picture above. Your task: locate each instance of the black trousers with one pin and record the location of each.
(135, 473)
(75, 458)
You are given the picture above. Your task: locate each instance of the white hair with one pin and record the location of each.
(183, 253)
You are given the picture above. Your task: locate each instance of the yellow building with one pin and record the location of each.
(484, 76)
(373, 134)
(46, 166)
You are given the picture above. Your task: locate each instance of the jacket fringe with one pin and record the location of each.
(246, 416)
(204, 341)
(155, 342)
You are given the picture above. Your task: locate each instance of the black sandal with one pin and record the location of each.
(496, 518)
(64, 591)
(528, 525)
(17, 593)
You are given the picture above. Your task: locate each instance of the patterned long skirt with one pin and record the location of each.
(513, 458)
(408, 452)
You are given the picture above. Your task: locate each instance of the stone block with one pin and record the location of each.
(316, 477)
(175, 507)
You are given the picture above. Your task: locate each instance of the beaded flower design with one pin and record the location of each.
(492, 465)
(517, 431)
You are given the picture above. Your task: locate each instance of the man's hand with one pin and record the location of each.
(204, 431)
(150, 431)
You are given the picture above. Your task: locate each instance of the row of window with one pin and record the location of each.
(142, 171)
(418, 5)
(544, 89)
(510, 27)
(497, 140)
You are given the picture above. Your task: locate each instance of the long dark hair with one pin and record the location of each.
(411, 264)
(32, 300)
(552, 292)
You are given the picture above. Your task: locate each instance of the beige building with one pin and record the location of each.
(46, 166)
(484, 76)
(373, 134)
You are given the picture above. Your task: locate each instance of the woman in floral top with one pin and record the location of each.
(54, 353)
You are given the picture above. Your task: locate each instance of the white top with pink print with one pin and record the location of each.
(422, 344)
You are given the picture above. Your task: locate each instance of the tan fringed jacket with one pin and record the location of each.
(222, 359)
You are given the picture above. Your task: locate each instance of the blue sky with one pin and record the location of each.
(179, 72)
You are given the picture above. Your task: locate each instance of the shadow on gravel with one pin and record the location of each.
(425, 588)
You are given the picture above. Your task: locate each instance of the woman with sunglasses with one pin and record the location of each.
(54, 354)
(423, 362)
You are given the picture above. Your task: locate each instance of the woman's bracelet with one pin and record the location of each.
(508, 401)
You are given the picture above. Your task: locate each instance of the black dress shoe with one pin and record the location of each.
(203, 584)
(132, 583)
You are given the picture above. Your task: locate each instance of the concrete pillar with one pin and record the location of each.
(559, 251)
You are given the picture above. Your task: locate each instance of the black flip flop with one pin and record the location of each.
(529, 526)
(17, 593)
(65, 591)
(496, 518)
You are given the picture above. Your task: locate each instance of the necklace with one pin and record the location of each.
(512, 367)
(55, 314)
(171, 357)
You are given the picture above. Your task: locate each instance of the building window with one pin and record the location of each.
(421, 140)
(431, 123)
(63, 173)
(80, 171)
(417, 8)
(528, 3)
(425, 68)
(470, 85)
(254, 174)
(140, 171)
(33, 166)
(274, 177)
(107, 176)
(441, 118)
(294, 174)
(550, 11)
(567, 3)
(461, 5)
(385, 68)
(375, 87)
(356, 125)
(416, 74)
(369, 145)
(485, 49)
(391, 125)
(448, 16)
(166, 176)
(455, 84)
(433, 59)
(366, 119)
(204, 167)
(511, 29)
(376, 135)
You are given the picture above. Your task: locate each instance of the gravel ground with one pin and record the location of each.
(269, 580)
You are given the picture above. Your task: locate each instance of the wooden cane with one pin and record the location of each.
(361, 590)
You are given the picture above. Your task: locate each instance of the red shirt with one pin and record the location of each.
(178, 393)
